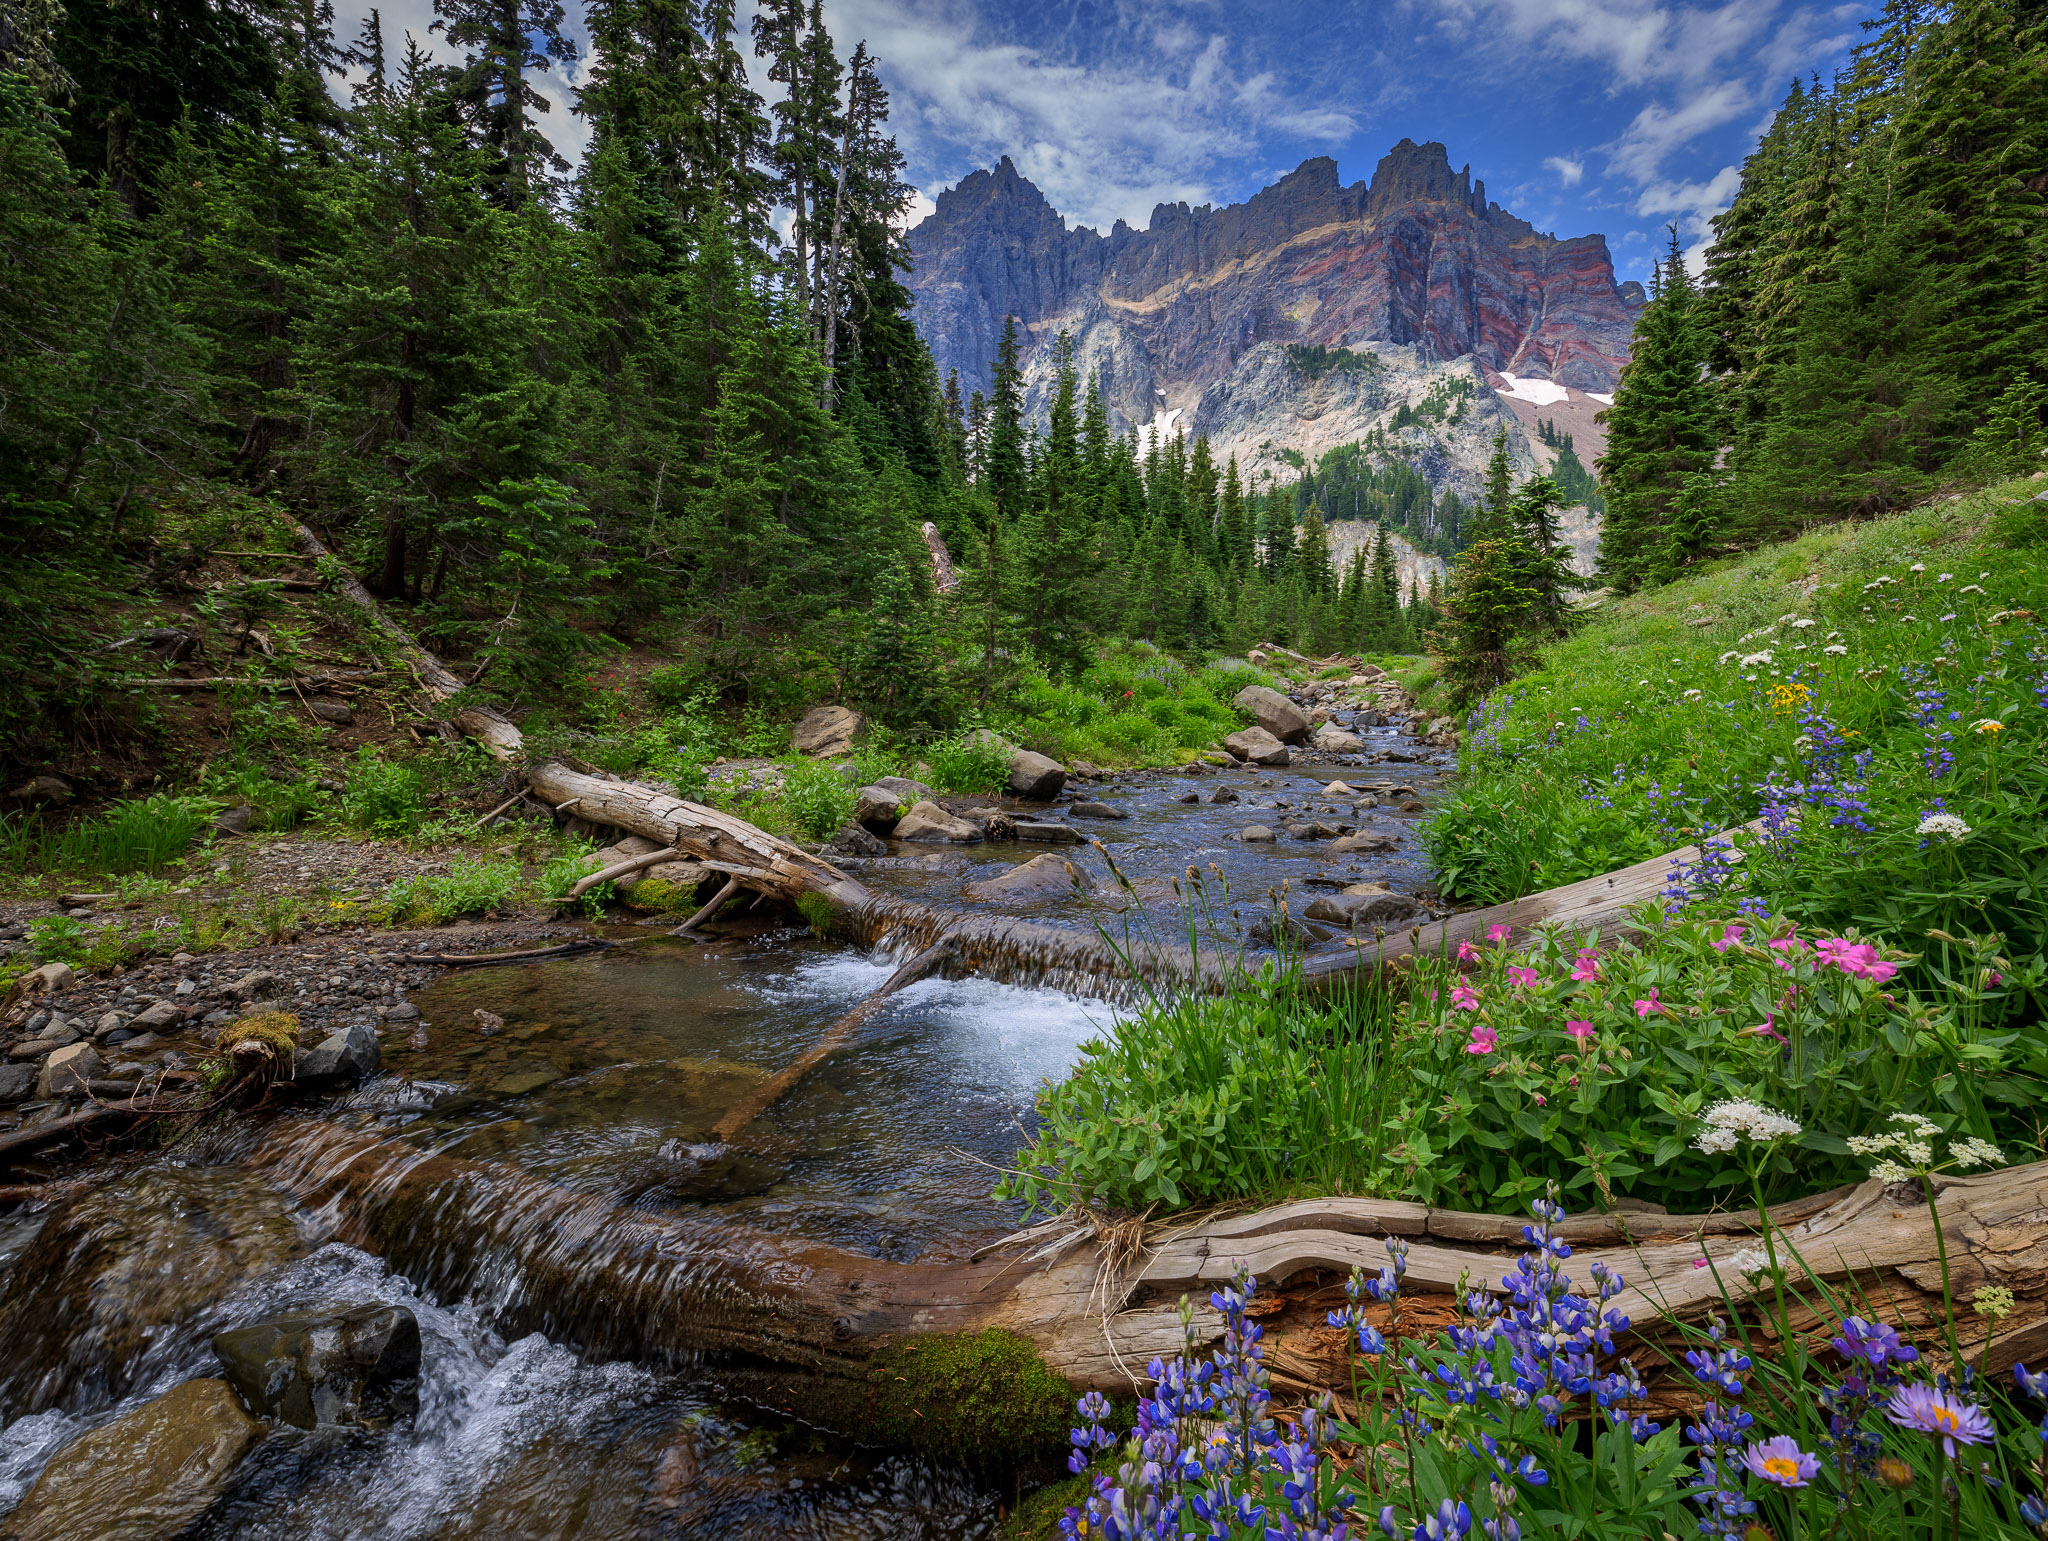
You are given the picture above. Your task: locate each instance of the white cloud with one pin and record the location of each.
(1657, 131)
(1569, 172)
(1695, 204)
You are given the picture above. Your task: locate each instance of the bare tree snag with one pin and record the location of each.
(944, 579)
(489, 728)
(631, 1282)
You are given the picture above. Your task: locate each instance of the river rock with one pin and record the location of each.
(1223, 795)
(359, 1365)
(1257, 746)
(1043, 877)
(1046, 831)
(144, 1477)
(1349, 909)
(1034, 777)
(68, 1070)
(853, 840)
(1256, 834)
(157, 1018)
(259, 984)
(1095, 810)
(904, 789)
(16, 1082)
(50, 979)
(928, 822)
(112, 1271)
(352, 1053)
(1273, 712)
(1365, 840)
(1338, 789)
(827, 732)
(877, 808)
(234, 821)
(1331, 739)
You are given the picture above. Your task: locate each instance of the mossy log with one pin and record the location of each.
(822, 1331)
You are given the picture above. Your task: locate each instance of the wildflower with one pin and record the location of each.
(1586, 967)
(1835, 648)
(1579, 1030)
(1467, 953)
(1692, 695)
(1894, 1473)
(1524, 978)
(1780, 1460)
(1498, 933)
(1731, 936)
(1465, 998)
(1975, 1152)
(1993, 1303)
(1943, 826)
(1749, 1262)
(1988, 725)
(1917, 567)
(1645, 1008)
(1939, 1414)
(1450, 1522)
(1751, 660)
(1945, 577)
(1768, 1028)
(1484, 1039)
(1730, 1122)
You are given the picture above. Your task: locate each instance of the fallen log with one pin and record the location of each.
(488, 727)
(816, 1325)
(777, 1086)
(518, 955)
(618, 869)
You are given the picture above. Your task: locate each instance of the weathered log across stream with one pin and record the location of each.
(857, 1343)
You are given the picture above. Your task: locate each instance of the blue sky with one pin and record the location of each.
(1580, 115)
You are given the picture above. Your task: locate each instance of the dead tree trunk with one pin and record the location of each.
(815, 1321)
(496, 734)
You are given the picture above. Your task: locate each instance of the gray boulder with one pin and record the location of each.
(1095, 810)
(1043, 877)
(1047, 831)
(1273, 712)
(853, 840)
(1359, 909)
(929, 823)
(1256, 834)
(1364, 841)
(69, 1071)
(328, 709)
(259, 984)
(315, 1369)
(1331, 739)
(903, 789)
(352, 1052)
(1033, 777)
(878, 808)
(157, 1017)
(827, 732)
(1258, 746)
(16, 1082)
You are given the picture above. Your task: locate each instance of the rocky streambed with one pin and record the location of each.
(187, 1349)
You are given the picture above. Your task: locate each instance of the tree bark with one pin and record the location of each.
(649, 1285)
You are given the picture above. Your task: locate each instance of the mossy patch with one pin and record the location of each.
(276, 1031)
(658, 896)
(1038, 1517)
(816, 910)
(986, 1401)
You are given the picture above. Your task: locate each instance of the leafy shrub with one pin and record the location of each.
(678, 688)
(468, 887)
(1596, 1065)
(384, 797)
(818, 798)
(970, 763)
(1266, 1091)
(56, 939)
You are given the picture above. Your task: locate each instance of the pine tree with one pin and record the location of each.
(502, 42)
(1003, 458)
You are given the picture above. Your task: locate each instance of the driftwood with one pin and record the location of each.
(518, 955)
(632, 1282)
(777, 1086)
(495, 732)
(618, 869)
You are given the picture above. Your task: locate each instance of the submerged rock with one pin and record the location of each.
(1043, 877)
(1357, 909)
(1366, 841)
(144, 1477)
(115, 1270)
(358, 1365)
(1087, 809)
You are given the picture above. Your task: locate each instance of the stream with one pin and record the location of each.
(603, 1082)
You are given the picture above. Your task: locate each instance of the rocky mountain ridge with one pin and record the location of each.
(1301, 319)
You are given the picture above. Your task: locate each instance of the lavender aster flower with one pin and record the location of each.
(1939, 1414)
(1780, 1460)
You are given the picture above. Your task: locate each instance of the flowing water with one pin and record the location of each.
(598, 1096)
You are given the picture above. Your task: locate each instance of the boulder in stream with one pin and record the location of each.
(17, 1081)
(1257, 746)
(67, 1071)
(1364, 841)
(1331, 739)
(1273, 712)
(1089, 809)
(1255, 834)
(352, 1052)
(1349, 909)
(1034, 777)
(119, 1268)
(144, 1477)
(358, 1365)
(877, 808)
(930, 823)
(1043, 877)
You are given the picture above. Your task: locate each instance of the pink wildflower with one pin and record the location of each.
(1732, 937)
(1465, 998)
(1525, 978)
(1467, 953)
(1579, 1030)
(1484, 1039)
(1541, 1101)
(1645, 1008)
(1768, 1028)
(1497, 933)
(1586, 967)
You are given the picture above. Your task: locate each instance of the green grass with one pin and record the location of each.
(1663, 717)
(143, 835)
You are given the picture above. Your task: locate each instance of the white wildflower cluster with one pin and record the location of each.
(1943, 826)
(1751, 660)
(1749, 1262)
(1917, 567)
(1835, 648)
(1805, 624)
(1907, 1149)
(1692, 695)
(1878, 583)
(1971, 588)
(1729, 1123)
